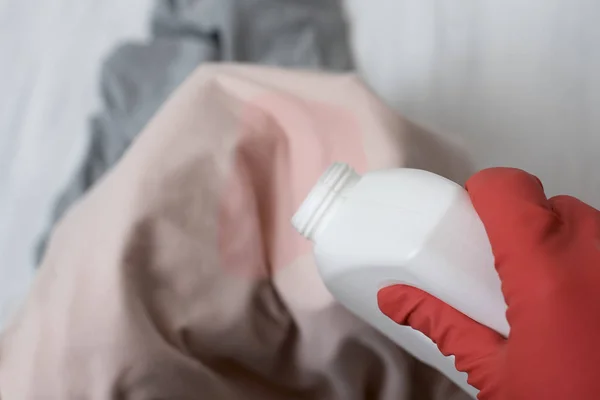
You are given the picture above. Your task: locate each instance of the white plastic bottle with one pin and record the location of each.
(402, 226)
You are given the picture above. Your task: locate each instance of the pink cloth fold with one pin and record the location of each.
(179, 275)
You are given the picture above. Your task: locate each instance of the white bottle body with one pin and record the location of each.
(412, 227)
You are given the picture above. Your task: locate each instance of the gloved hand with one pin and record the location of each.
(547, 254)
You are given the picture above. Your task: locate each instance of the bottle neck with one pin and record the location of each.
(322, 199)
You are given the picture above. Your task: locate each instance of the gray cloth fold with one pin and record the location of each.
(137, 78)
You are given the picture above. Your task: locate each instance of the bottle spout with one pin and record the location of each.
(337, 178)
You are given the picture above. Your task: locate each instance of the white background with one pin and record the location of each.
(517, 82)
(50, 55)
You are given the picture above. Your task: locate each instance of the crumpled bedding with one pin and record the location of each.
(138, 77)
(179, 276)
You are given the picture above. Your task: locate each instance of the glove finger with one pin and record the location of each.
(476, 348)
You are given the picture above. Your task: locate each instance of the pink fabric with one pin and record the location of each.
(179, 275)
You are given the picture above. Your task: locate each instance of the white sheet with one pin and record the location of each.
(50, 53)
(515, 81)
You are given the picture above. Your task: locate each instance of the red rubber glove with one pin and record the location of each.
(547, 255)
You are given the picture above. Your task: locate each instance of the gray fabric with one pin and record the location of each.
(137, 78)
